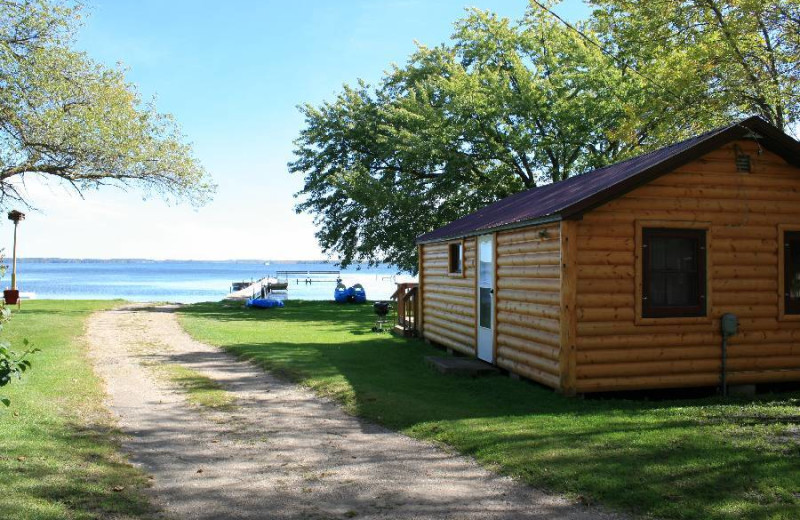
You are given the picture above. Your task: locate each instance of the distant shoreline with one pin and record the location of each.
(149, 260)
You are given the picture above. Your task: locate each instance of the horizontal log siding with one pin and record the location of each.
(744, 210)
(448, 302)
(528, 302)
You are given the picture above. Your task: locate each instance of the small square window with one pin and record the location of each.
(674, 274)
(456, 258)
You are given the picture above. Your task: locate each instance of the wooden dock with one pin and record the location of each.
(281, 280)
(251, 290)
(310, 276)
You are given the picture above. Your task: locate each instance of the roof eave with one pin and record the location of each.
(783, 145)
(754, 127)
(506, 227)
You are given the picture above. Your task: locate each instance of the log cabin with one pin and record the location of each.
(617, 279)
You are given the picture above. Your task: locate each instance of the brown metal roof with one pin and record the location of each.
(574, 196)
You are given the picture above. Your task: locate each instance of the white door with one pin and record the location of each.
(486, 298)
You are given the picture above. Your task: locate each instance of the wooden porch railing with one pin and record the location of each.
(407, 308)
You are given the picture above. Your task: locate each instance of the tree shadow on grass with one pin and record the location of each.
(632, 454)
(397, 365)
(656, 457)
(86, 481)
(293, 311)
(670, 457)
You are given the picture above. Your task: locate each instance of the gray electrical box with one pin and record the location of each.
(729, 324)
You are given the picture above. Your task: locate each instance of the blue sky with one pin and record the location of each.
(232, 73)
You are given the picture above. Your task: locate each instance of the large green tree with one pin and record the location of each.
(741, 57)
(66, 117)
(507, 106)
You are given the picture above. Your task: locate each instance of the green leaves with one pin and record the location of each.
(506, 106)
(12, 365)
(713, 59)
(509, 105)
(64, 116)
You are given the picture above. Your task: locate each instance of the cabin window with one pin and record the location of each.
(674, 274)
(456, 258)
(791, 272)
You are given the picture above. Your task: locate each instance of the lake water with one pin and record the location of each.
(185, 282)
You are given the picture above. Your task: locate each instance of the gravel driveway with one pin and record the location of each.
(282, 452)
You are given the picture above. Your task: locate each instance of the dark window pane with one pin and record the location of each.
(485, 307)
(674, 278)
(791, 272)
(681, 289)
(658, 288)
(794, 270)
(673, 271)
(674, 251)
(456, 261)
(658, 254)
(683, 254)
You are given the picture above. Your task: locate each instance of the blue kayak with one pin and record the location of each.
(341, 293)
(353, 294)
(358, 293)
(263, 303)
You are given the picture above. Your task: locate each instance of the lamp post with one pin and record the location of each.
(12, 296)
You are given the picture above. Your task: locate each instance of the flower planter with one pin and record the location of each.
(11, 296)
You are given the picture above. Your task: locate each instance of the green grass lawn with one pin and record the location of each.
(199, 389)
(58, 449)
(696, 459)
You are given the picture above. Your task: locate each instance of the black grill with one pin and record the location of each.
(381, 308)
